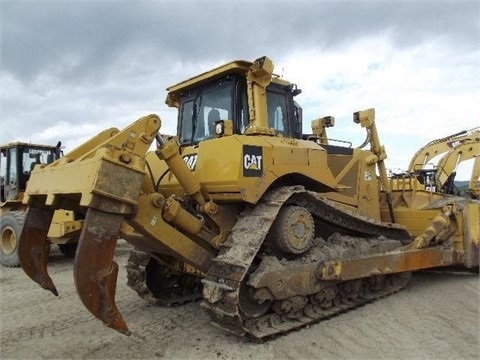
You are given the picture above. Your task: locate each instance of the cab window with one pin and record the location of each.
(199, 112)
(277, 112)
(243, 116)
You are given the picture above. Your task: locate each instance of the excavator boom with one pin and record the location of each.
(448, 164)
(474, 185)
(440, 146)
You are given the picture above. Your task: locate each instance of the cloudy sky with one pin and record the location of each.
(72, 68)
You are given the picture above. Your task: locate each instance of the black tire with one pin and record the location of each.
(68, 250)
(11, 225)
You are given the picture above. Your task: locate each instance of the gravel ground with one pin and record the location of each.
(435, 317)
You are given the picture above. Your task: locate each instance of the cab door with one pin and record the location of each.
(9, 173)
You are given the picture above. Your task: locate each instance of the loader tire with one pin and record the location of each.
(11, 225)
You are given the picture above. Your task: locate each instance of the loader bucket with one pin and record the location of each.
(95, 272)
(34, 247)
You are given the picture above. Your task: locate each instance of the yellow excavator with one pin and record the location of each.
(440, 176)
(440, 146)
(274, 229)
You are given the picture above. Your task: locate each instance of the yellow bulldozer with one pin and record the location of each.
(17, 160)
(274, 229)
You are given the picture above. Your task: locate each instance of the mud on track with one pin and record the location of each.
(436, 317)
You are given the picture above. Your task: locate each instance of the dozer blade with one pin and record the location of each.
(34, 247)
(95, 271)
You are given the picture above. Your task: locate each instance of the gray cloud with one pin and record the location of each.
(80, 40)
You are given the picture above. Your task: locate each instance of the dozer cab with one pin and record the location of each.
(17, 160)
(274, 229)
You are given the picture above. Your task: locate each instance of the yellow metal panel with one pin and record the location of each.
(279, 157)
(474, 216)
(62, 229)
(391, 262)
(416, 221)
(162, 236)
(114, 169)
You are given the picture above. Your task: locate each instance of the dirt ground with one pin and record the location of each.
(436, 317)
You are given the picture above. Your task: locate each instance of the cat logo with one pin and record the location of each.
(252, 161)
(191, 161)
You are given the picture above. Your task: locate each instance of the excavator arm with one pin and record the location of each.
(448, 164)
(473, 186)
(440, 146)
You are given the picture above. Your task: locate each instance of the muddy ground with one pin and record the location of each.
(436, 317)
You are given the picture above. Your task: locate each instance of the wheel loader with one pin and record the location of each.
(16, 162)
(274, 229)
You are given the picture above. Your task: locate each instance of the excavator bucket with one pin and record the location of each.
(95, 271)
(34, 247)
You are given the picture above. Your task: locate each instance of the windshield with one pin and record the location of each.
(226, 99)
(32, 156)
(199, 113)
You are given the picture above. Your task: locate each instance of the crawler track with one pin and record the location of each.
(318, 307)
(237, 258)
(169, 289)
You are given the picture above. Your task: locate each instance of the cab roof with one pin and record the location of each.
(234, 67)
(19, 143)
